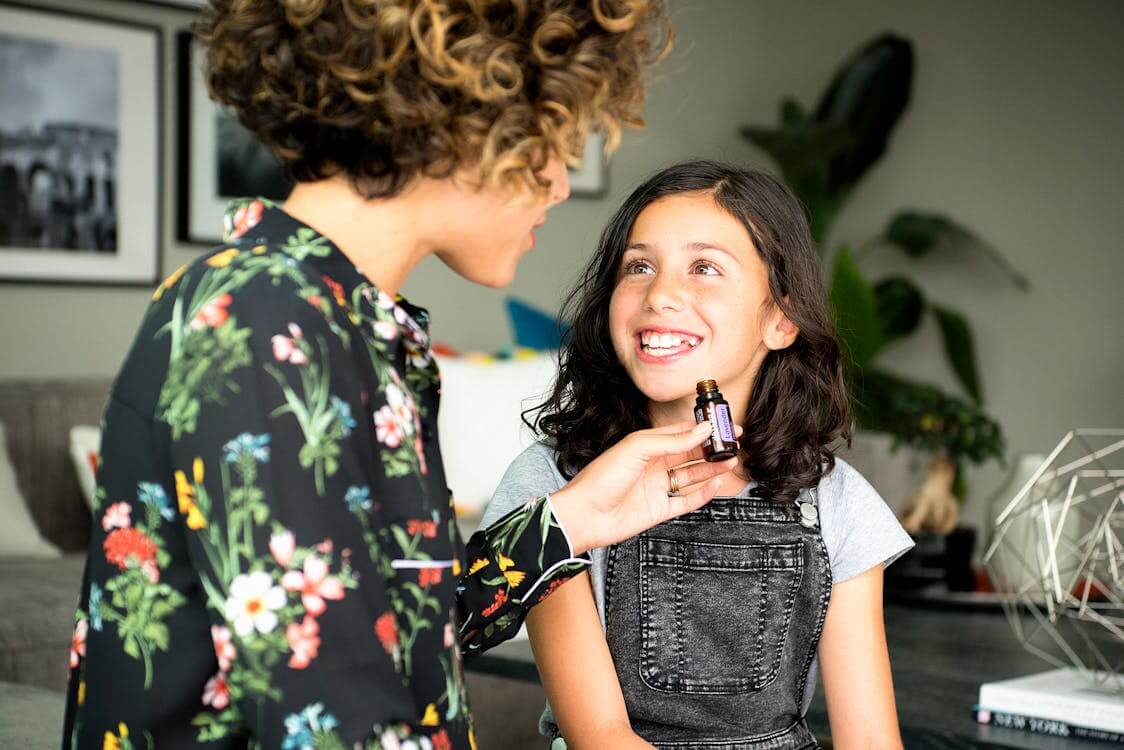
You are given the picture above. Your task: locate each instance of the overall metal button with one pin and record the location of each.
(809, 516)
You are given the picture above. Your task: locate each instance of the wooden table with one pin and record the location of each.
(940, 655)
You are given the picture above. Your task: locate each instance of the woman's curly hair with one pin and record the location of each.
(799, 406)
(386, 90)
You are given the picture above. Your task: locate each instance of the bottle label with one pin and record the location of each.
(702, 415)
(723, 424)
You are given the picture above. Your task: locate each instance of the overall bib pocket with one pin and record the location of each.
(715, 617)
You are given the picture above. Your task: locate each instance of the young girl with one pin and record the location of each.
(705, 630)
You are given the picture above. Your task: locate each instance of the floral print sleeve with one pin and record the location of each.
(513, 565)
(275, 561)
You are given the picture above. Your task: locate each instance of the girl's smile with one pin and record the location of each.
(662, 345)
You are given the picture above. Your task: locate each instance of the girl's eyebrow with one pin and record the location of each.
(700, 246)
(694, 247)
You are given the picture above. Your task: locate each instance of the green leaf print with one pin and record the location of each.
(307, 242)
(200, 372)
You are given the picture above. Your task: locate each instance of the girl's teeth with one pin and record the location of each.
(660, 344)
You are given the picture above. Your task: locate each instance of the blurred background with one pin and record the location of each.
(975, 256)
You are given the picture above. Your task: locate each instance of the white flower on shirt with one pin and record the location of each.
(253, 603)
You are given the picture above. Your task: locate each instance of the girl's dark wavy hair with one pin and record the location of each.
(799, 406)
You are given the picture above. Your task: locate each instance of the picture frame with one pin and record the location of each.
(218, 159)
(80, 148)
(589, 179)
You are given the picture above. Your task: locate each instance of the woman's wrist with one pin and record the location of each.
(567, 507)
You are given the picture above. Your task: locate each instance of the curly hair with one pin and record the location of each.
(386, 90)
(798, 406)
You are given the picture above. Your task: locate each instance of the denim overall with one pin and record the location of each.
(713, 619)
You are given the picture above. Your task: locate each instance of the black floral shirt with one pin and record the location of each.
(274, 560)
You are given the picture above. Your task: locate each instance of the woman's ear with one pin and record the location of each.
(780, 332)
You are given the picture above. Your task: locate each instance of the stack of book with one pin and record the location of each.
(1062, 702)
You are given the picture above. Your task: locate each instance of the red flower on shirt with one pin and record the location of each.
(216, 692)
(246, 218)
(441, 741)
(427, 576)
(498, 601)
(428, 529)
(213, 314)
(554, 585)
(124, 545)
(304, 640)
(386, 629)
(78, 642)
(337, 290)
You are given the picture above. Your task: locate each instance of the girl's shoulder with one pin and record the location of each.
(533, 473)
(844, 484)
(858, 527)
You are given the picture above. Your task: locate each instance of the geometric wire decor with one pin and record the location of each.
(1057, 558)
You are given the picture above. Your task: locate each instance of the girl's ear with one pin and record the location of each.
(779, 332)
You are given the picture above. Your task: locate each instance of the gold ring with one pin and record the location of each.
(673, 483)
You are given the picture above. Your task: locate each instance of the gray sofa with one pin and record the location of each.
(38, 597)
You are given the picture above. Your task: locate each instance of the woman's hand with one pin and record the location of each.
(626, 489)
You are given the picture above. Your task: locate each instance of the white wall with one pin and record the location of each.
(1014, 130)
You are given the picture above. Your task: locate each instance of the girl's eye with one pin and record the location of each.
(636, 267)
(706, 268)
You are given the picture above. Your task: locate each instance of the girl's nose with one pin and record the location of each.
(664, 293)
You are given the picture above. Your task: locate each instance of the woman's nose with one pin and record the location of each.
(559, 177)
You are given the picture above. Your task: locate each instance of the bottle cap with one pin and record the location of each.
(706, 386)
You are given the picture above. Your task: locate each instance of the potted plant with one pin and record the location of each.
(822, 155)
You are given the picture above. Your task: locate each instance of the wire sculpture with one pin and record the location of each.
(1057, 560)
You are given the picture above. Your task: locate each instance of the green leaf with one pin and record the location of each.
(900, 304)
(959, 347)
(918, 234)
(921, 415)
(158, 634)
(792, 113)
(799, 149)
(856, 311)
(867, 95)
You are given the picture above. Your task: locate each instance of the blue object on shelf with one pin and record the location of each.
(535, 328)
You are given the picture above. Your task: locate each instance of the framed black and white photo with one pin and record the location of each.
(79, 148)
(589, 178)
(219, 159)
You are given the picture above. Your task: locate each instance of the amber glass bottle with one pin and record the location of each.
(711, 407)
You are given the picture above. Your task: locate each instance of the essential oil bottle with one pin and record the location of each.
(711, 407)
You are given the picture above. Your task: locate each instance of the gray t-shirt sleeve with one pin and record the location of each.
(532, 474)
(859, 529)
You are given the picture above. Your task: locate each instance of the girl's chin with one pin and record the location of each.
(667, 393)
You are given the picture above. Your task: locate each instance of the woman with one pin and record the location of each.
(274, 560)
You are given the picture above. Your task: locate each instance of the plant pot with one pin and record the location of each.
(958, 571)
(936, 559)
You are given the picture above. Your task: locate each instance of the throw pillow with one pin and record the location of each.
(85, 447)
(480, 426)
(18, 535)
